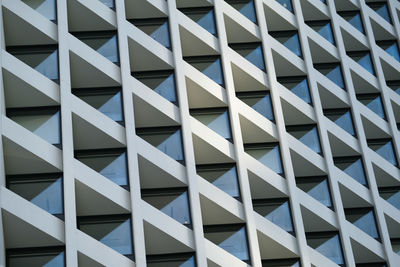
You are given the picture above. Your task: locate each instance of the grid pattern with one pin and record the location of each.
(204, 133)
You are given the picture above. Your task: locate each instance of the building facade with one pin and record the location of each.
(200, 133)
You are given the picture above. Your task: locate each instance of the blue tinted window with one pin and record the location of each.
(252, 52)
(342, 117)
(307, 134)
(297, 85)
(363, 219)
(105, 43)
(373, 102)
(328, 245)
(384, 148)
(38, 256)
(354, 18)
(275, 210)
(45, 7)
(209, 66)
(216, 119)
(204, 16)
(259, 101)
(290, 39)
(333, 72)
(287, 4)
(324, 28)
(352, 166)
(390, 47)
(364, 59)
(162, 82)
(317, 187)
(391, 195)
(109, 3)
(381, 8)
(246, 7)
(156, 28)
(268, 154)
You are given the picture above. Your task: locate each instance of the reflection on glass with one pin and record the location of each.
(246, 7)
(156, 28)
(268, 154)
(162, 82)
(307, 134)
(281, 263)
(364, 219)
(342, 117)
(317, 187)
(204, 16)
(106, 100)
(352, 166)
(287, 4)
(171, 201)
(42, 121)
(43, 190)
(223, 176)
(215, 119)
(290, 39)
(252, 52)
(45, 7)
(275, 210)
(171, 260)
(381, 8)
(168, 140)
(209, 66)
(364, 59)
(390, 47)
(297, 85)
(328, 244)
(333, 72)
(384, 148)
(110, 163)
(36, 257)
(232, 238)
(391, 195)
(109, 3)
(113, 231)
(260, 101)
(354, 18)
(373, 102)
(105, 43)
(323, 28)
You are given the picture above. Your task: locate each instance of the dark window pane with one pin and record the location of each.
(391, 48)
(354, 18)
(275, 210)
(287, 4)
(260, 101)
(246, 7)
(204, 16)
(252, 52)
(316, 187)
(45, 7)
(215, 119)
(328, 245)
(373, 102)
(105, 43)
(364, 59)
(297, 85)
(281, 263)
(324, 28)
(363, 219)
(352, 166)
(171, 260)
(381, 8)
(395, 85)
(290, 39)
(36, 257)
(391, 195)
(342, 117)
(209, 66)
(156, 28)
(333, 72)
(268, 154)
(307, 134)
(384, 148)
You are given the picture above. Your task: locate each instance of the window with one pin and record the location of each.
(267, 153)
(252, 52)
(223, 176)
(364, 59)
(290, 39)
(172, 201)
(373, 102)
(246, 7)
(36, 257)
(217, 119)
(364, 219)
(352, 166)
(381, 8)
(231, 237)
(109, 3)
(276, 210)
(166, 139)
(391, 47)
(104, 42)
(47, 8)
(42, 58)
(45, 190)
(156, 28)
(328, 244)
(391, 195)
(287, 4)
(395, 245)
(107, 100)
(384, 148)
(114, 231)
(204, 16)
(354, 18)
(260, 101)
(342, 118)
(173, 259)
(111, 163)
(323, 28)
(42, 121)
(281, 263)
(317, 187)
(209, 66)
(161, 81)
(298, 85)
(394, 85)
(333, 72)
(375, 264)
(307, 134)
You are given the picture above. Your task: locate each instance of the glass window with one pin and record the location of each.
(104, 42)
(111, 163)
(394, 85)
(252, 52)
(332, 71)
(107, 100)
(373, 102)
(171, 260)
(328, 244)
(109, 3)
(217, 119)
(209, 66)
(42, 58)
(44, 190)
(156, 28)
(166, 139)
(232, 238)
(364, 59)
(390, 47)
(323, 28)
(287, 4)
(391, 195)
(381, 8)
(290, 39)
(298, 85)
(342, 117)
(364, 219)
(268, 154)
(276, 210)
(384, 148)
(317, 187)
(260, 101)
(47, 8)
(396, 245)
(354, 18)
(36, 257)
(204, 16)
(374, 264)
(307, 134)
(42, 121)
(281, 263)
(114, 231)
(223, 176)
(172, 201)
(162, 82)
(352, 166)
(246, 7)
